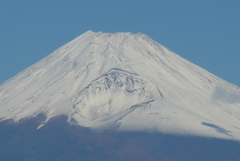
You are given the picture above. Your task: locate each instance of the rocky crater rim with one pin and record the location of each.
(117, 35)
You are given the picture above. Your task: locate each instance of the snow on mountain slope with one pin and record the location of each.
(124, 82)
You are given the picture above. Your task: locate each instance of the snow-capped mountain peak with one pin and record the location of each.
(124, 82)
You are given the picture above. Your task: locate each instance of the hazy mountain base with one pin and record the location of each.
(58, 140)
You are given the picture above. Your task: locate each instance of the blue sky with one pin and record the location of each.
(205, 32)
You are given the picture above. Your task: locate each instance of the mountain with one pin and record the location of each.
(121, 88)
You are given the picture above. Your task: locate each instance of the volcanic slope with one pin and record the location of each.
(124, 82)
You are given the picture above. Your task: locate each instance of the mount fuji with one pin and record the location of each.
(120, 83)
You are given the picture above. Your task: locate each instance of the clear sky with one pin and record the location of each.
(205, 32)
